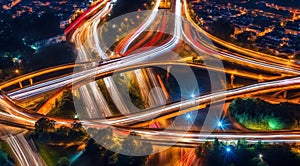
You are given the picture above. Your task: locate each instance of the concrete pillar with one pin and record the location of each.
(284, 94)
(232, 80)
(20, 84)
(31, 81)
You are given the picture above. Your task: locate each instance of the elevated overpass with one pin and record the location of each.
(14, 90)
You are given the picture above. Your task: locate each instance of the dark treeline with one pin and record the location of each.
(244, 154)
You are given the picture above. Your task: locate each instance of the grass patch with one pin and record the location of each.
(51, 154)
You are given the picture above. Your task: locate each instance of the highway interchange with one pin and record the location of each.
(85, 35)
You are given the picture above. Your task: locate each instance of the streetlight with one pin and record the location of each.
(17, 71)
(188, 117)
(220, 124)
(228, 149)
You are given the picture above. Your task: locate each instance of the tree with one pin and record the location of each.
(77, 132)
(280, 154)
(5, 160)
(63, 161)
(259, 146)
(241, 144)
(199, 151)
(257, 114)
(67, 101)
(61, 133)
(101, 153)
(43, 129)
(202, 150)
(44, 125)
(134, 145)
(257, 161)
(76, 125)
(106, 152)
(216, 145)
(92, 148)
(245, 154)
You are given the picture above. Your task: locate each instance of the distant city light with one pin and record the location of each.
(15, 59)
(34, 47)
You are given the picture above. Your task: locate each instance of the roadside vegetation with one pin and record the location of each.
(97, 154)
(73, 145)
(257, 114)
(64, 106)
(246, 154)
(5, 158)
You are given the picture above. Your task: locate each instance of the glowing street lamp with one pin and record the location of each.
(220, 124)
(188, 116)
(228, 149)
(17, 71)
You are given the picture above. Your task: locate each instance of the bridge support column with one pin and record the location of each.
(168, 71)
(284, 94)
(30, 81)
(20, 84)
(232, 80)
